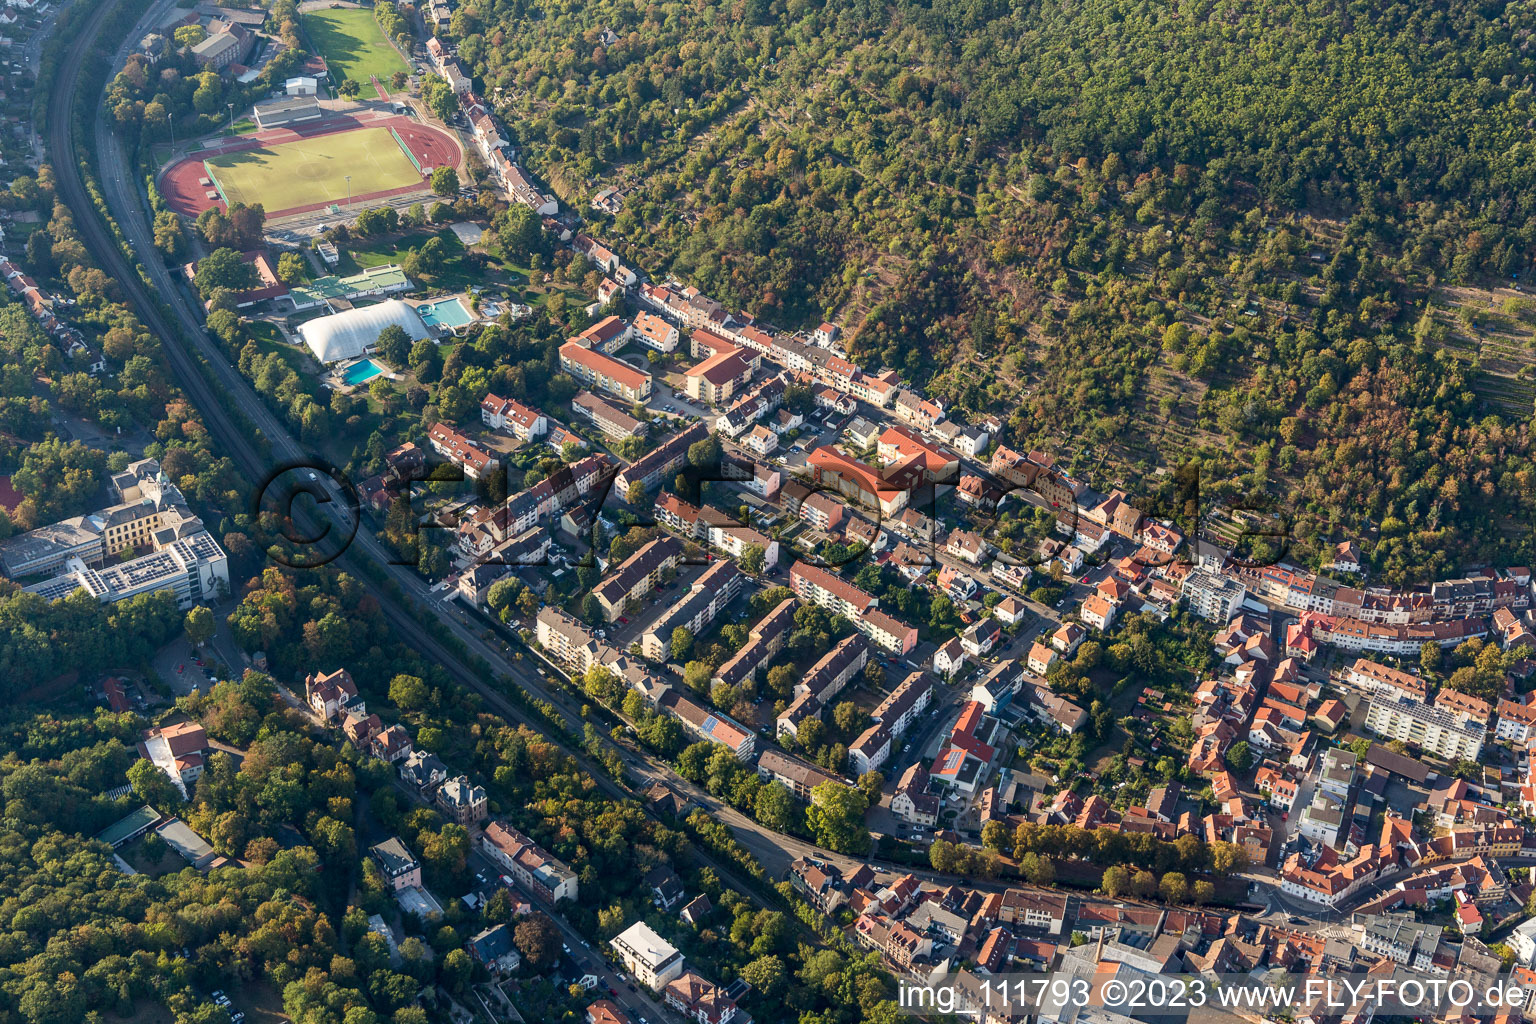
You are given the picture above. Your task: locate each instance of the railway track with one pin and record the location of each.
(233, 437)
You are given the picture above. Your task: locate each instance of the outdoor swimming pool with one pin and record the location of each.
(444, 313)
(361, 371)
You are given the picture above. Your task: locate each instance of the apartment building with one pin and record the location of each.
(715, 588)
(718, 378)
(909, 700)
(1213, 596)
(1044, 911)
(461, 801)
(475, 461)
(834, 669)
(637, 576)
(870, 750)
(607, 417)
(1374, 677)
(764, 641)
(650, 958)
(400, 867)
(654, 332)
(800, 776)
(1437, 730)
(651, 468)
(707, 725)
(887, 491)
(521, 421)
(604, 371)
(818, 586)
(536, 870)
(566, 640)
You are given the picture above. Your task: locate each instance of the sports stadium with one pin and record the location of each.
(299, 168)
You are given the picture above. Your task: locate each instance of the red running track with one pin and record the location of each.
(431, 147)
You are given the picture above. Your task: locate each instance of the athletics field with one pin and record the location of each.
(314, 170)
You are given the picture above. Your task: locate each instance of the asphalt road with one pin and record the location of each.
(234, 439)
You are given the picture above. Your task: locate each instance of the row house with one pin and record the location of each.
(1324, 876)
(534, 869)
(686, 306)
(894, 940)
(475, 461)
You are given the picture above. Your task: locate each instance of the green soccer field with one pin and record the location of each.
(309, 171)
(353, 45)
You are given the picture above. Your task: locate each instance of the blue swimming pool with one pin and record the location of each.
(361, 371)
(444, 313)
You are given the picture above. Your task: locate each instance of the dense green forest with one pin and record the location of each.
(1256, 236)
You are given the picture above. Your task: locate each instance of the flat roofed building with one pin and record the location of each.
(1213, 596)
(650, 958)
(300, 106)
(187, 562)
(1437, 730)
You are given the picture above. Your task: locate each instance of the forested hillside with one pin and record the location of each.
(1259, 234)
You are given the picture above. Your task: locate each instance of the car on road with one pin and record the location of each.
(1296, 920)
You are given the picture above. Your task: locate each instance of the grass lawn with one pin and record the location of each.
(315, 170)
(459, 271)
(263, 331)
(353, 45)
